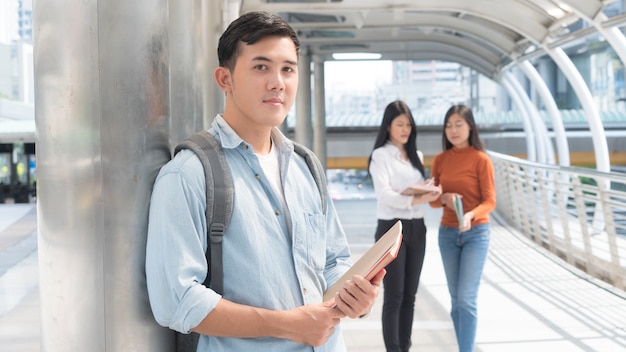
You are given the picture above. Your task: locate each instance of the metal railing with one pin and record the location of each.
(576, 213)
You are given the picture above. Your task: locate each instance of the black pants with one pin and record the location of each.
(401, 282)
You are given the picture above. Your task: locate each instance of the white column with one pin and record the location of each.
(304, 116)
(553, 111)
(531, 150)
(319, 123)
(601, 150)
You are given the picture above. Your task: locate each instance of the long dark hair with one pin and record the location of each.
(465, 112)
(392, 111)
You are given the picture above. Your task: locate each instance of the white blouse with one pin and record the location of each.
(391, 175)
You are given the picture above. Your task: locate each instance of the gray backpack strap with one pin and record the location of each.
(317, 170)
(219, 198)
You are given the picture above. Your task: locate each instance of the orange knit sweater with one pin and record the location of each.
(468, 172)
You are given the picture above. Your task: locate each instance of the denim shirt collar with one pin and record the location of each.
(231, 140)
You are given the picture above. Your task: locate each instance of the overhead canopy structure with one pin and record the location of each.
(486, 34)
(489, 36)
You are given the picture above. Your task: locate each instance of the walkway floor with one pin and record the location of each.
(528, 301)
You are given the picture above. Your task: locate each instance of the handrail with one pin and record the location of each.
(576, 213)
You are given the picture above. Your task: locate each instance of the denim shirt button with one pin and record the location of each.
(304, 291)
(277, 212)
(258, 177)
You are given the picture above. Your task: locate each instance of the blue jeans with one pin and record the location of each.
(463, 255)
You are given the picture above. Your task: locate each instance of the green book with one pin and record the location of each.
(458, 208)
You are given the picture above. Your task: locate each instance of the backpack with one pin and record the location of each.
(219, 198)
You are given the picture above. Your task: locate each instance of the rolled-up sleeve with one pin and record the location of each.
(175, 254)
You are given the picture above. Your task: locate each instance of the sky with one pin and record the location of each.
(357, 75)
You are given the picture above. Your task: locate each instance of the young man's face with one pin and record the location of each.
(264, 82)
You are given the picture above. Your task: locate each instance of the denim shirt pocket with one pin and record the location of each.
(315, 241)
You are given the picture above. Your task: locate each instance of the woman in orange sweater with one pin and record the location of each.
(463, 169)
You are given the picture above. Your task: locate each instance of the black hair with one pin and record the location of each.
(249, 28)
(393, 110)
(466, 113)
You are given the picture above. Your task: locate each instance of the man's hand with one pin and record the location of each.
(312, 324)
(358, 295)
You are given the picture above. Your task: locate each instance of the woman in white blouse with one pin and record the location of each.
(395, 163)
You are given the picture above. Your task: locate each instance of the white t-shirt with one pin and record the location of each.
(271, 168)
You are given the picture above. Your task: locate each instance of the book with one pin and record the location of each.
(458, 209)
(382, 252)
(420, 188)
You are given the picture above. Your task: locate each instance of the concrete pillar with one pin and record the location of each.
(117, 84)
(474, 91)
(319, 123)
(304, 117)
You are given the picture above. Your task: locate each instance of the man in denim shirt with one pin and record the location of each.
(280, 251)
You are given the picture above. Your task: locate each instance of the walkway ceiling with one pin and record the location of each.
(486, 35)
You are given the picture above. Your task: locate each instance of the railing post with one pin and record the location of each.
(573, 234)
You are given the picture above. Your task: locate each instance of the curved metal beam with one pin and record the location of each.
(468, 60)
(601, 150)
(553, 111)
(613, 35)
(532, 23)
(585, 8)
(526, 21)
(484, 61)
(438, 51)
(531, 113)
(531, 150)
(491, 34)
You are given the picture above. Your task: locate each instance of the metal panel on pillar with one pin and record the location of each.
(106, 115)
